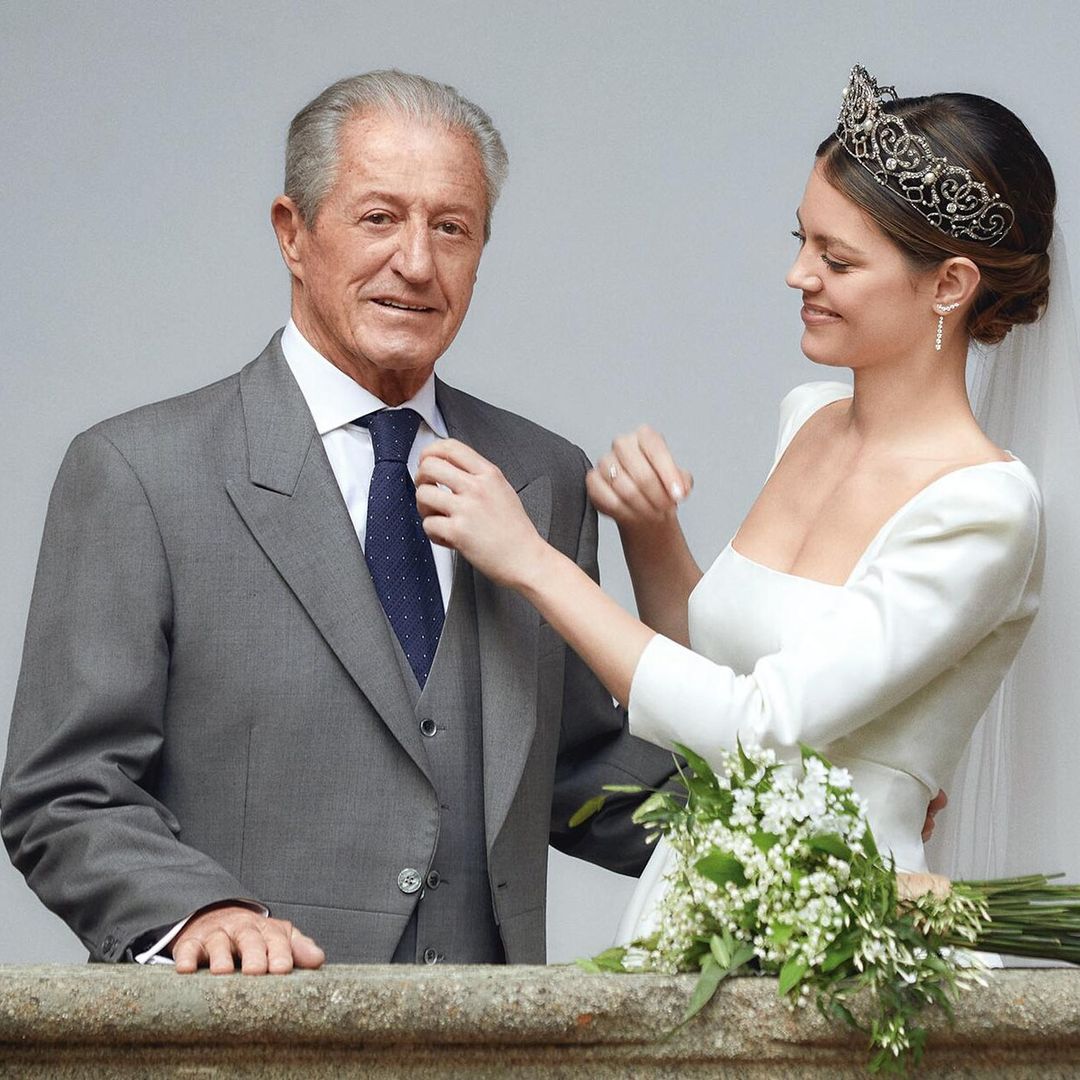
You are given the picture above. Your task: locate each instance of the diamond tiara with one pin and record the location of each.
(948, 196)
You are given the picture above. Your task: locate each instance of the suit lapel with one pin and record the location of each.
(507, 625)
(289, 499)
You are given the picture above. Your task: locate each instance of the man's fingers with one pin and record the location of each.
(305, 952)
(218, 936)
(188, 955)
(278, 945)
(219, 948)
(251, 947)
(935, 806)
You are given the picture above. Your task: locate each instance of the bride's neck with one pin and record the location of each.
(909, 402)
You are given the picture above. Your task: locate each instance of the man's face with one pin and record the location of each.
(384, 274)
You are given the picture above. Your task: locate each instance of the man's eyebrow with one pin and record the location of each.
(389, 197)
(831, 241)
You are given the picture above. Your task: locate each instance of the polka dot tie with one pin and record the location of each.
(397, 549)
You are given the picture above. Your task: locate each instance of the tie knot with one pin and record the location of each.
(392, 433)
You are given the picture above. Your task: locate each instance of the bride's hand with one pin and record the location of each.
(912, 886)
(466, 504)
(638, 482)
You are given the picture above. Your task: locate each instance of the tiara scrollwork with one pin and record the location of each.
(947, 195)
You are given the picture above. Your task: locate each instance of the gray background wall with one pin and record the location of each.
(636, 271)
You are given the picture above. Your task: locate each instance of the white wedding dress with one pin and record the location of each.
(887, 675)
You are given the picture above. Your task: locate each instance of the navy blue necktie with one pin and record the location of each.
(397, 549)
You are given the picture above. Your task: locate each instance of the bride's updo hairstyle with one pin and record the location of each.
(986, 138)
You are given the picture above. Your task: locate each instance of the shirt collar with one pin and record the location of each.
(335, 399)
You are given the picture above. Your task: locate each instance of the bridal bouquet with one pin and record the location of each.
(777, 872)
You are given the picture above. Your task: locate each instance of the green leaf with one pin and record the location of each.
(808, 752)
(765, 841)
(702, 769)
(720, 947)
(840, 1011)
(749, 768)
(658, 806)
(791, 975)
(831, 844)
(781, 934)
(743, 955)
(834, 959)
(721, 867)
(712, 975)
(869, 844)
(608, 960)
(586, 811)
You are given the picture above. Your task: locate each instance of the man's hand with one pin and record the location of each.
(937, 803)
(217, 935)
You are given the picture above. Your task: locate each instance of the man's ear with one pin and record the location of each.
(290, 230)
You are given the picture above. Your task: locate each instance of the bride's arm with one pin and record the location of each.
(639, 485)
(954, 568)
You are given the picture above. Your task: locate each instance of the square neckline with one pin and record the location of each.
(886, 525)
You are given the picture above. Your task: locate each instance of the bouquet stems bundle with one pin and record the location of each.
(1027, 916)
(778, 873)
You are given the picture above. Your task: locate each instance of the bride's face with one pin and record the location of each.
(862, 302)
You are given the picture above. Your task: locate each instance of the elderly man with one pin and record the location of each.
(260, 719)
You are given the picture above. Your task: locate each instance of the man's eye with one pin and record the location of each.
(378, 218)
(801, 237)
(451, 228)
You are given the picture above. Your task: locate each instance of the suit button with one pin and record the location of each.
(433, 879)
(428, 727)
(431, 956)
(409, 880)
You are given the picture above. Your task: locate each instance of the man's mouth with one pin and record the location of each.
(398, 305)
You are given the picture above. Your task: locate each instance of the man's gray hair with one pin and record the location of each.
(313, 147)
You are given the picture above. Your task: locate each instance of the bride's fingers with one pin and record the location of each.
(433, 500)
(601, 493)
(434, 469)
(438, 529)
(623, 487)
(636, 480)
(459, 454)
(675, 481)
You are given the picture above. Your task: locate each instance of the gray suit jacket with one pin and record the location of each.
(210, 706)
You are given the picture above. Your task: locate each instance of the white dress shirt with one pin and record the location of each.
(335, 401)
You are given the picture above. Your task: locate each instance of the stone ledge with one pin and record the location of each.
(126, 1021)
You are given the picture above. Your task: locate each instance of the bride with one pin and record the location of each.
(880, 586)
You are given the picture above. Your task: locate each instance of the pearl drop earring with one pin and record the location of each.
(942, 310)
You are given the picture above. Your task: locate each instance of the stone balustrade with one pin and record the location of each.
(104, 1021)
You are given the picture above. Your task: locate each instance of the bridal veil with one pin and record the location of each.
(1014, 802)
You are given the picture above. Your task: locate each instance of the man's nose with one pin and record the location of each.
(414, 259)
(803, 274)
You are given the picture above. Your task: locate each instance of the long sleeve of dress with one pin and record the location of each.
(945, 575)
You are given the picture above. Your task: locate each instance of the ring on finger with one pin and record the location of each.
(612, 471)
